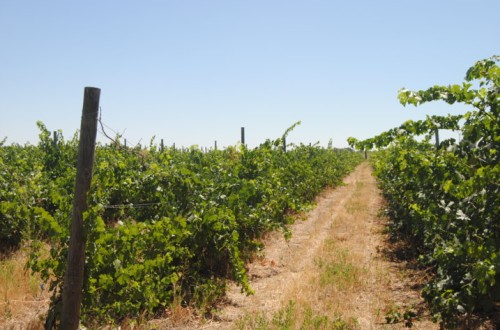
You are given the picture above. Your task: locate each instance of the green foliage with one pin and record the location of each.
(396, 315)
(161, 226)
(446, 198)
(22, 192)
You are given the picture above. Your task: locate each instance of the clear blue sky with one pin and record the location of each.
(192, 72)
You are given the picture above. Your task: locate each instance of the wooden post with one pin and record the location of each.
(73, 279)
(55, 140)
(436, 133)
(243, 135)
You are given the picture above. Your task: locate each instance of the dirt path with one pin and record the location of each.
(334, 265)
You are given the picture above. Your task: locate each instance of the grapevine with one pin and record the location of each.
(446, 198)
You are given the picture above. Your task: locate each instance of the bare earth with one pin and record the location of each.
(345, 218)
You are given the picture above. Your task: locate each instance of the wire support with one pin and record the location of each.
(130, 205)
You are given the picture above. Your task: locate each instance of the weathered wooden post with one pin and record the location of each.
(55, 140)
(73, 279)
(243, 135)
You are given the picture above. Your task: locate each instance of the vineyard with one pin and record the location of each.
(444, 196)
(166, 226)
(162, 225)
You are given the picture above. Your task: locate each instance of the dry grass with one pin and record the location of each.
(337, 278)
(294, 315)
(175, 317)
(22, 300)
